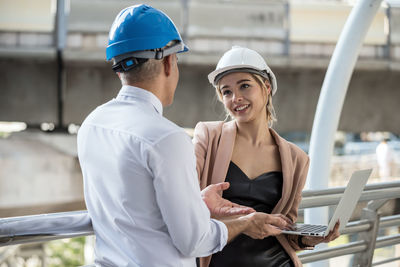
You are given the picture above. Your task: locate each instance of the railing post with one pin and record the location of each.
(369, 213)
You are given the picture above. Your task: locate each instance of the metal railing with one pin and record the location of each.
(46, 227)
(367, 227)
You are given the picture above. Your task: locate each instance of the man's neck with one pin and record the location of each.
(155, 88)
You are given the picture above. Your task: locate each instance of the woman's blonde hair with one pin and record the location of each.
(271, 115)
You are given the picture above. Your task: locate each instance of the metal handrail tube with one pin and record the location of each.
(387, 241)
(384, 193)
(364, 225)
(38, 238)
(53, 223)
(44, 227)
(333, 199)
(385, 261)
(340, 190)
(321, 254)
(350, 248)
(388, 221)
(356, 226)
(319, 201)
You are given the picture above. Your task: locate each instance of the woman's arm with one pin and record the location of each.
(306, 242)
(294, 240)
(200, 142)
(301, 178)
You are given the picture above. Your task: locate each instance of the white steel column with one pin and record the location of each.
(331, 100)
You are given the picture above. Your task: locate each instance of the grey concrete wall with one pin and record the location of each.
(28, 90)
(372, 102)
(87, 87)
(39, 173)
(29, 94)
(195, 100)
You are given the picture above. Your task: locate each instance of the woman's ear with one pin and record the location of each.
(268, 85)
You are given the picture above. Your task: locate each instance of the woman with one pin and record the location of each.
(265, 171)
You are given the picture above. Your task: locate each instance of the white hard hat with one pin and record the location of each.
(241, 59)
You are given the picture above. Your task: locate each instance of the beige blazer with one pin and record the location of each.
(213, 144)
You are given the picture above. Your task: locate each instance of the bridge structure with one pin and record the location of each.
(53, 69)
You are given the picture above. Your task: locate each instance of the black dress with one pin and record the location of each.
(261, 193)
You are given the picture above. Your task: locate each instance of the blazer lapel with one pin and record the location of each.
(224, 152)
(287, 170)
(224, 156)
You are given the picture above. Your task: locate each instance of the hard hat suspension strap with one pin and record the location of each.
(128, 61)
(128, 64)
(159, 53)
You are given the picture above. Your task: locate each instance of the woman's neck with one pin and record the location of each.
(255, 132)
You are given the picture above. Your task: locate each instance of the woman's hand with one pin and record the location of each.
(220, 207)
(263, 225)
(315, 240)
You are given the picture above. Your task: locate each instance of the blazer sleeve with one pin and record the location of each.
(293, 212)
(200, 142)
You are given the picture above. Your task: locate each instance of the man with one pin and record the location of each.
(140, 180)
(384, 156)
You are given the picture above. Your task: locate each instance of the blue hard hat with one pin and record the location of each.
(140, 28)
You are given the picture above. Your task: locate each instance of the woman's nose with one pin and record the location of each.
(237, 97)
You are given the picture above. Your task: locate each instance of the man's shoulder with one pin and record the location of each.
(140, 124)
(164, 127)
(152, 129)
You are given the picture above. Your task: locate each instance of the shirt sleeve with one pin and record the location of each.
(186, 216)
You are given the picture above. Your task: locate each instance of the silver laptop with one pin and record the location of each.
(343, 211)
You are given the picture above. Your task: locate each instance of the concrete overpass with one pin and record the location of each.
(46, 79)
(40, 83)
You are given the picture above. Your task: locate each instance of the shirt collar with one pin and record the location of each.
(128, 91)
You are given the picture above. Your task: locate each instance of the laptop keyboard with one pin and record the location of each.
(311, 228)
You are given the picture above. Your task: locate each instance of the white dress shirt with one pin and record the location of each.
(141, 186)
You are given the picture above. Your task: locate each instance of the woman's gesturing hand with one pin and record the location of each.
(262, 225)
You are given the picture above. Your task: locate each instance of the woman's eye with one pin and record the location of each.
(245, 85)
(226, 92)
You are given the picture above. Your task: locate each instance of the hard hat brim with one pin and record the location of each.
(242, 68)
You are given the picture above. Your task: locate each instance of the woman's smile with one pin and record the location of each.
(241, 108)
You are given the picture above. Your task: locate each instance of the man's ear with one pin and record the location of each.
(167, 62)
